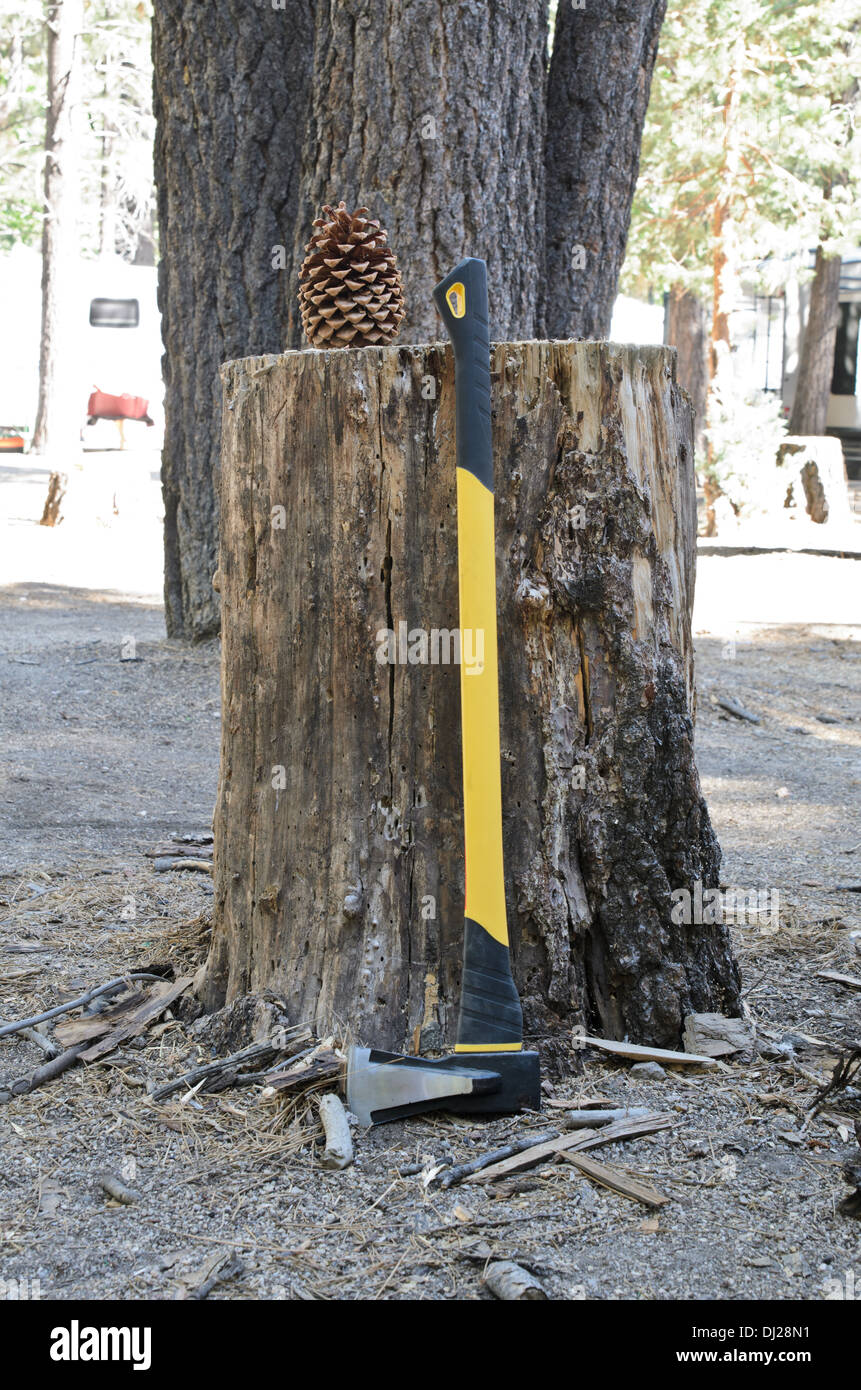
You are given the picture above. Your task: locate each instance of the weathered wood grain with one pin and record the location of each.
(338, 854)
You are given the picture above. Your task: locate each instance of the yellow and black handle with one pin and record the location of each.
(490, 1015)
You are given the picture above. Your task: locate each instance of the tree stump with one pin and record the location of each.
(815, 474)
(338, 830)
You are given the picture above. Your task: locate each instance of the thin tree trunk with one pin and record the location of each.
(816, 369)
(688, 333)
(230, 97)
(338, 831)
(725, 272)
(432, 115)
(598, 92)
(60, 411)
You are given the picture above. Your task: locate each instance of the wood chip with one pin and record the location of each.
(851, 981)
(581, 1103)
(327, 1066)
(158, 999)
(617, 1180)
(647, 1054)
(90, 1026)
(216, 1269)
(714, 1035)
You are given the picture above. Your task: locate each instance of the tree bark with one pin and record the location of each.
(51, 512)
(598, 92)
(725, 275)
(230, 94)
(60, 411)
(688, 333)
(338, 853)
(432, 115)
(816, 369)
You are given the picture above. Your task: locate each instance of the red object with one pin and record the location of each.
(101, 406)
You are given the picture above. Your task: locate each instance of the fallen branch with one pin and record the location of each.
(461, 1171)
(118, 1190)
(255, 1052)
(529, 1154)
(738, 711)
(167, 865)
(47, 1045)
(526, 1155)
(48, 1072)
(8, 1028)
(512, 1283)
(582, 1119)
(192, 849)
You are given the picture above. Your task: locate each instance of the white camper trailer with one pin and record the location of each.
(119, 342)
(768, 330)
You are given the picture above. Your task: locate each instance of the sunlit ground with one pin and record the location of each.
(110, 537)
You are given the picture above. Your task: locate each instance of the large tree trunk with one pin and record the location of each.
(688, 332)
(598, 92)
(816, 369)
(230, 94)
(432, 115)
(60, 411)
(338, 854)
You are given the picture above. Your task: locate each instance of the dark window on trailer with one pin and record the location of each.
(846, 351)
(114, 313)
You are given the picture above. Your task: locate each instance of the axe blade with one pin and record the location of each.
(385, 1086)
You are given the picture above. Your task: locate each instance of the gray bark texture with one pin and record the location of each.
(431, 114)
(338, 831)
(59, 413)
(230, 93)
(688, 332)
(816, 369)
(598, 92)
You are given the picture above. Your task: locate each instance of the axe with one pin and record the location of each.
(489, 1073)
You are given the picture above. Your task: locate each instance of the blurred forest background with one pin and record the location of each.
(725, 130)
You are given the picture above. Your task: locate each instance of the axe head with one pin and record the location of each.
(386, 1086)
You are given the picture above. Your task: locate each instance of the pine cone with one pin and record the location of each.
(350, 290)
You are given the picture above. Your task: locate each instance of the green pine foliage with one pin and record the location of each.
(789, 167)
(22, 122)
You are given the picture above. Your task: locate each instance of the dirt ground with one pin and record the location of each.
(105, 756)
